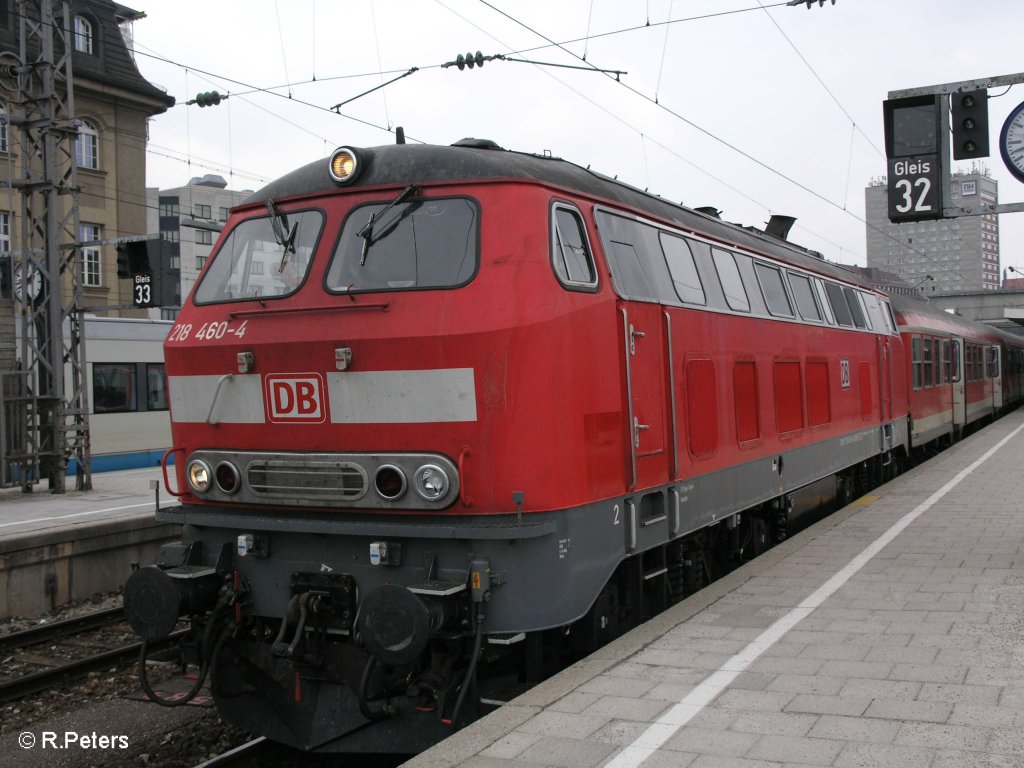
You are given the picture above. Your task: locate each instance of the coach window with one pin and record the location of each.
(947, 362)
(732, 283)
(773, 289)
(681, 266)
(915, 360)
(570, 250)
(838, 301)
(802, 292)
(926, 379)
(156, 387)
(993, 362)
(956, 360)
(113, 388)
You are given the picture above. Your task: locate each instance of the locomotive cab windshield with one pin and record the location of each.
(254, 264)
(422, 243)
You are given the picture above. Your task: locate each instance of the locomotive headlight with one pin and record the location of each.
(390, 482)
(344, 165)
(198, 473)
(431, 482)
(227, 477)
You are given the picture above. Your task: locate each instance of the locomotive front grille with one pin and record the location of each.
(326, 480)
(337, 480)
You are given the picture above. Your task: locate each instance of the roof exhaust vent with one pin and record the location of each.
(779, 226)
(710, 210)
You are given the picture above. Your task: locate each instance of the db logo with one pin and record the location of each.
(295, 398)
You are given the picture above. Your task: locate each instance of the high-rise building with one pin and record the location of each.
(947, 255)
(189, 219)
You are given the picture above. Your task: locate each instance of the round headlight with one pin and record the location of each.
(198, 473)
(431, 482)
(228, 478)
(344, 165)
(390, 482)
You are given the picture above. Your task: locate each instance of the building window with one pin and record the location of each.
(169, 235)
(3, 131)
(5, 232)
(91, 265)
(87, 146)
(201, 211)
(83, 35)
(204, 237)
(200, 261)
(223, 214)
(169, 207)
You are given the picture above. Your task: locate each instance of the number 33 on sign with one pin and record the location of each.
(142, 289)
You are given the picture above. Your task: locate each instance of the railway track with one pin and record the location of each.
(74, 636)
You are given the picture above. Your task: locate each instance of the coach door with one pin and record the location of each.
(959, 386)
(643, 331)
(994, 370)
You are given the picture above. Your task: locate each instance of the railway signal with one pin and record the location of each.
(970, 124)
(918, 135)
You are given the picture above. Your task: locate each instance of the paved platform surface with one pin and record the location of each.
(115, 496)
(890, 634)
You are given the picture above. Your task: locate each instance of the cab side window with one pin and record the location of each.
(571, 257)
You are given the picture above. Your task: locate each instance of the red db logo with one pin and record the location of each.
(295, 398)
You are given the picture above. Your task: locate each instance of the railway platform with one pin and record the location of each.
(60, 547)
(889, 634)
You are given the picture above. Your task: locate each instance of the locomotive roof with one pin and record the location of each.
(402, 164)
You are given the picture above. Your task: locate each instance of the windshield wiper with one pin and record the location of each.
(367, 232)
(284, 234)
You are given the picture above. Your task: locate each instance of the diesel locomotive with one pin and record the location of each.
(446, 417)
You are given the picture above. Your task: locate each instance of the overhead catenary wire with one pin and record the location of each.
(713, 136)
(761, 7)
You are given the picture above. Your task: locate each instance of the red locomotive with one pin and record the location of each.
(445, 416)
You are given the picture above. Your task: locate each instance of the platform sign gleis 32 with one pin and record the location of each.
(912, 145)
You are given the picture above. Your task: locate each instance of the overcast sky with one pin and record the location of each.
(754, 108)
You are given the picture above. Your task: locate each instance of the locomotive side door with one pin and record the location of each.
(885, 389)
(644, 367)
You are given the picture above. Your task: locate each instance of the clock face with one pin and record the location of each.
(35, 284)
(1011, 142)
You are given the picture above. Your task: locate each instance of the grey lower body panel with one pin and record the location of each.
(546, 570)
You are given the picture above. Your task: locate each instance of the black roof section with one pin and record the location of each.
(110, 63)
(475, 159)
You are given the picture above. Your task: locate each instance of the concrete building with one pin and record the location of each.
(189, 219)
(959, 254)
(113, 103)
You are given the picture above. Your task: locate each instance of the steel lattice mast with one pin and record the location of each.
(50, 270)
